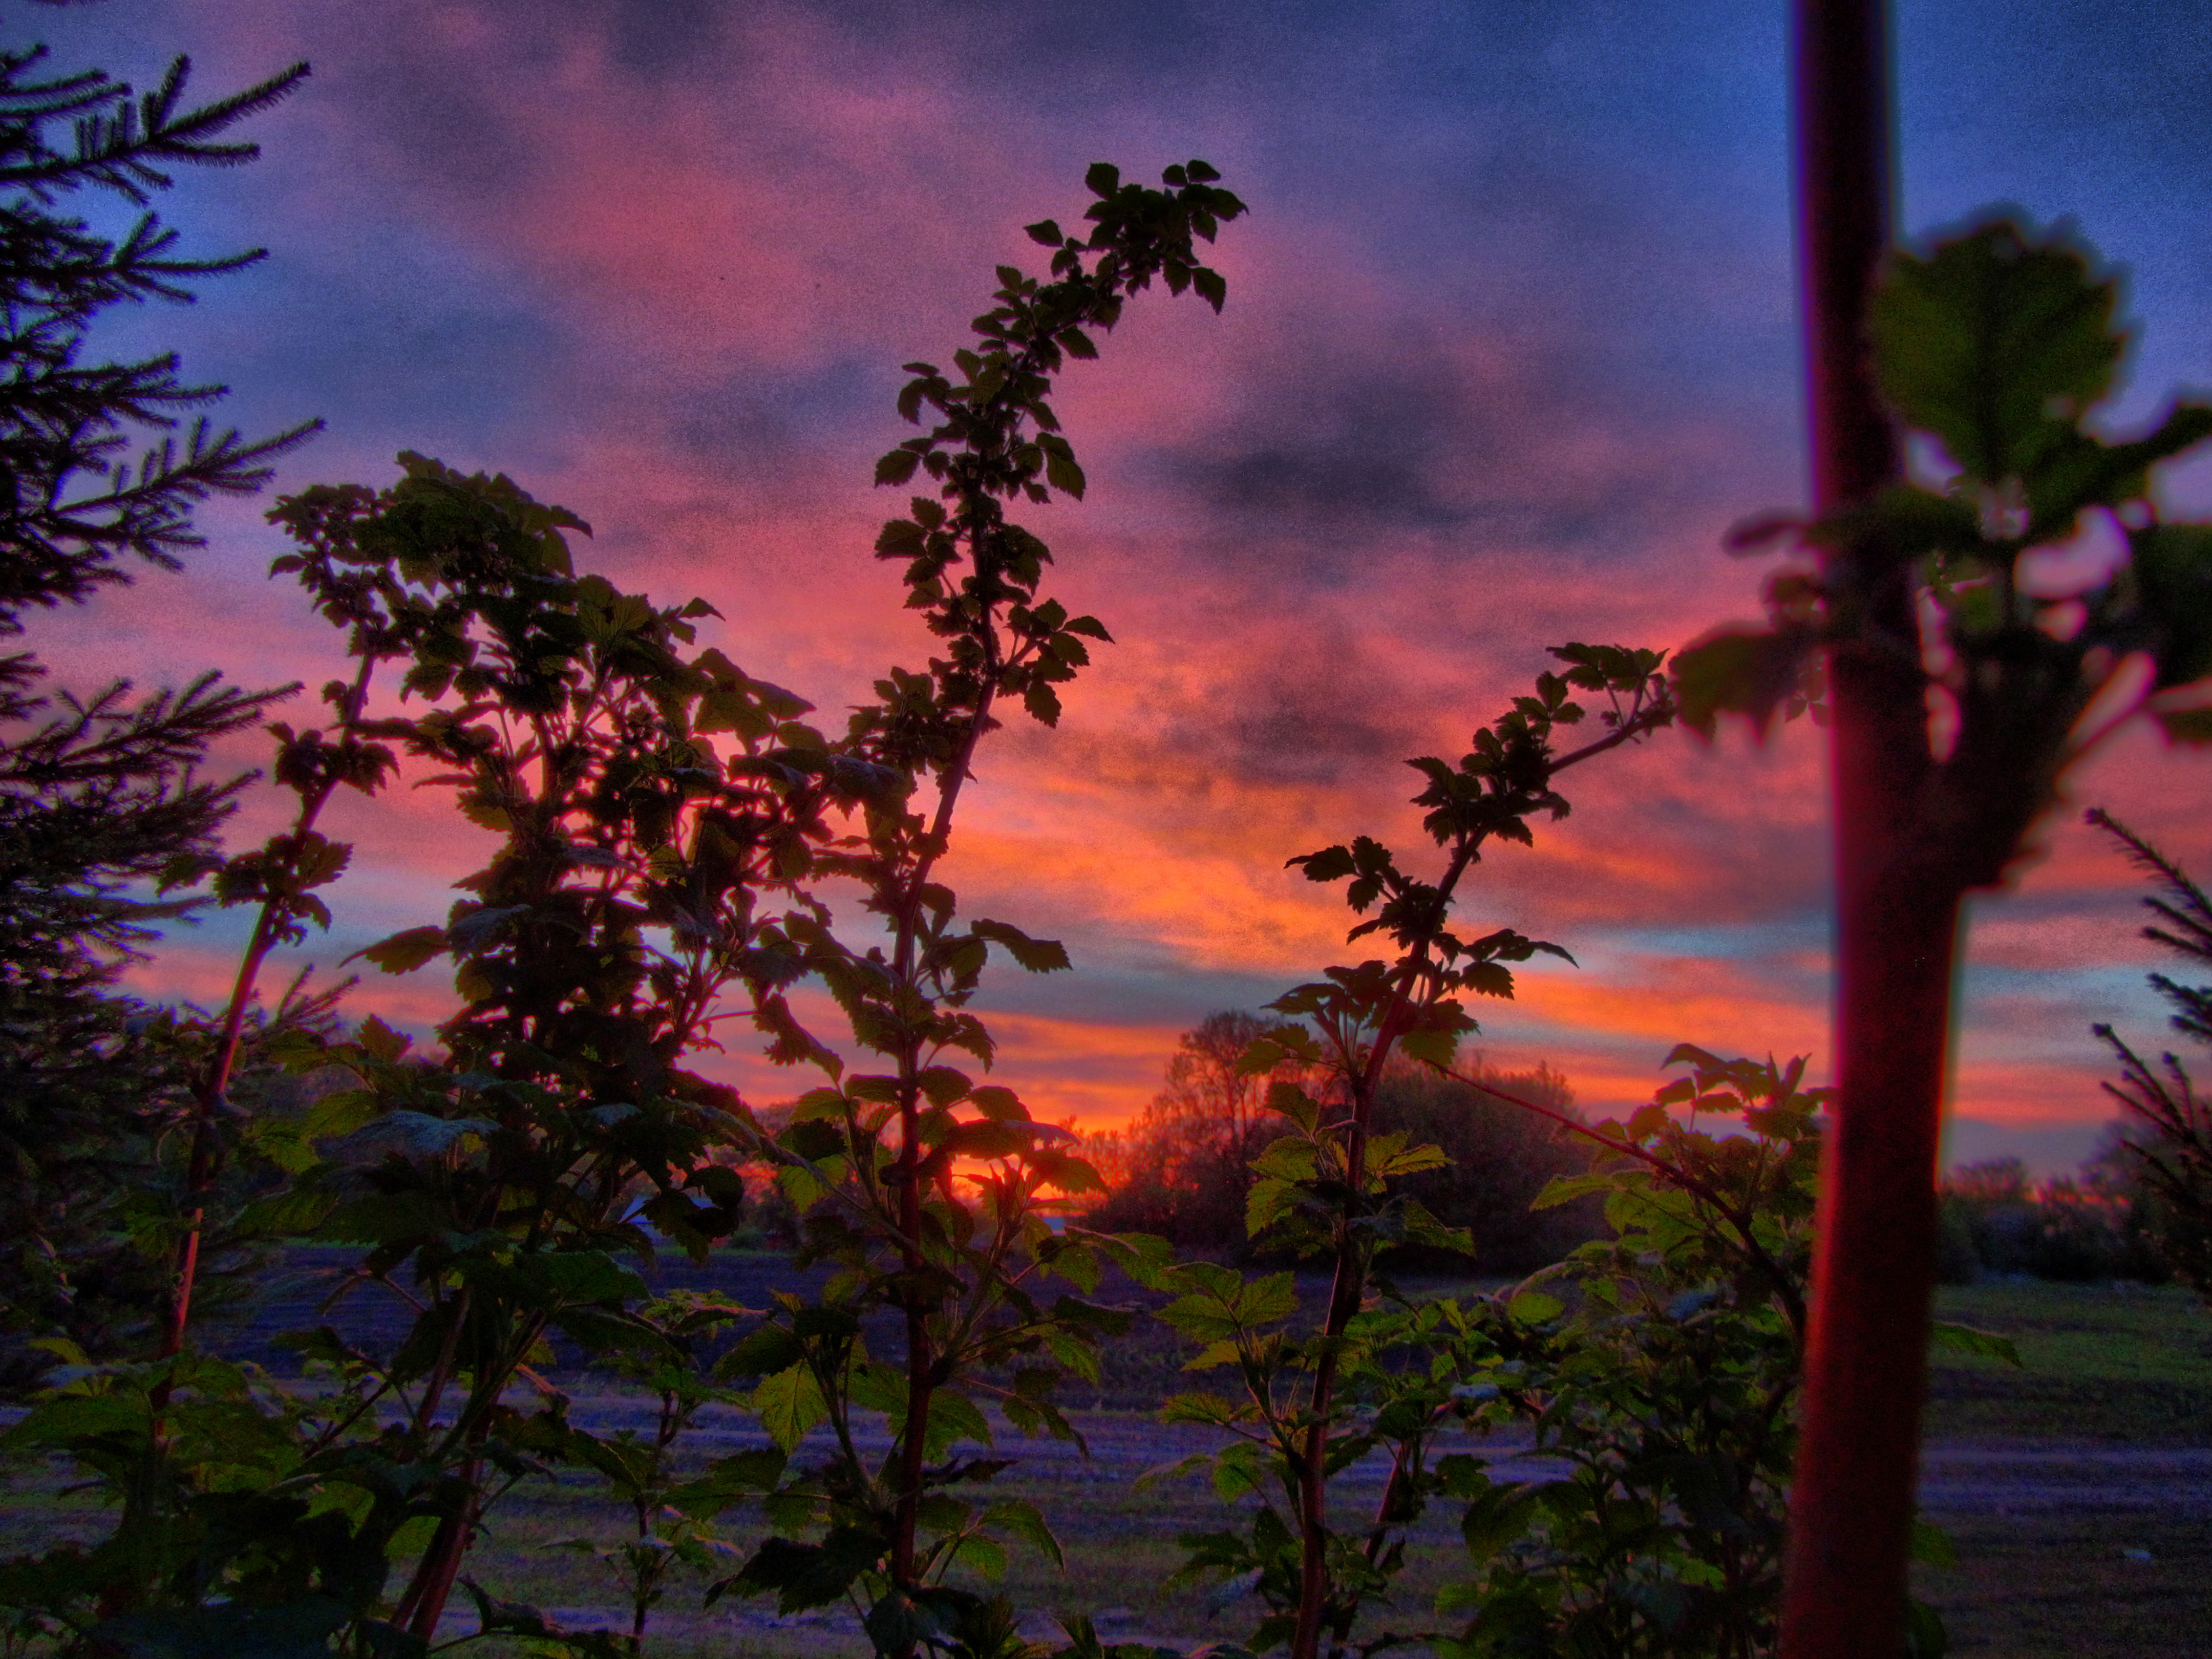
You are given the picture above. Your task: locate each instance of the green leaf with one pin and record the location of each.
(1965, 1339)
(1996, 344)
(988, 1137)
(1412, 1161)
(409, 1134)
(1039, 955)
(1060, 470)
(790, 1403)
(1330, 863)
(1738, 672)
(1932, 1546)
(1268, 1202)
(1534, 1308)
(1495, 1516)
(1437, 1047)
(1294, 1103)
(1042, 701)
(1026, 1523)
(402, 954)
(2086, 472)
(806, 1575)
(985, 1555)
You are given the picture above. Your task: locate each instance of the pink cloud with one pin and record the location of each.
(1285, 641)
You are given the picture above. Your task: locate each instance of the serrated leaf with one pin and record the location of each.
(790, 1403)
(402, 954)
(1995, 344)
(1440, 1048)
(1965, 1339)
(1039, 955)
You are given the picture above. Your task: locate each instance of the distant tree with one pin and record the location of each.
(1182, 1171)
(2168, 1150)
(1502, 1157)
(2091, 1225)
(100, 792)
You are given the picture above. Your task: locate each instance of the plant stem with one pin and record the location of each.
(208, 1096)
(1348, 1284)
(1851, 1501)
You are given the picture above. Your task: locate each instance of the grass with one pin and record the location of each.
(2105, 1367)
(2077, 1586)
(2124, 1364)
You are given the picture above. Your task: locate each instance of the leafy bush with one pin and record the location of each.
(1662, 1365)
(1503, 1157)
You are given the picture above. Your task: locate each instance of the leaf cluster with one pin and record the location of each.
(61, 421)
(1997, 348)
(1660, 1366)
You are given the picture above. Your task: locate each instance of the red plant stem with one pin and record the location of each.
(1851, 1502)
(206, 1097)
(920, 1362)
(199, 1166)
(425, 1603)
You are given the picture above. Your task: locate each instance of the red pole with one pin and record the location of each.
(1851, 1503)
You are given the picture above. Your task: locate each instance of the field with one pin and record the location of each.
(2078, 1492)
(2078, 1489)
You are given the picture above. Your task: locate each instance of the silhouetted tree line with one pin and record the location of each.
(1182, 1170)
(2099, 1224)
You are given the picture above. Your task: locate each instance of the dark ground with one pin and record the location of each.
(2078, 1492)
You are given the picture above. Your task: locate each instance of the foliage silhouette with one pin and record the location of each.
(933, 1218)
(1332, 1185)
(642, 874)
(1966, 683)
(100, 789)
(1184, 1171)
(2169, 1153)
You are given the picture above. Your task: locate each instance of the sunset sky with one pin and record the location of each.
(1510, 343)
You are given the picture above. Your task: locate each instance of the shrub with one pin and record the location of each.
(1502, 1157)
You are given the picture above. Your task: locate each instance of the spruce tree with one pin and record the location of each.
(101, 793)
(2167, 1142)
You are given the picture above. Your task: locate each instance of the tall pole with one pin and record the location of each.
(1852, 1500)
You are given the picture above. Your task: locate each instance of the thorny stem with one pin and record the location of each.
(920, 1362)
